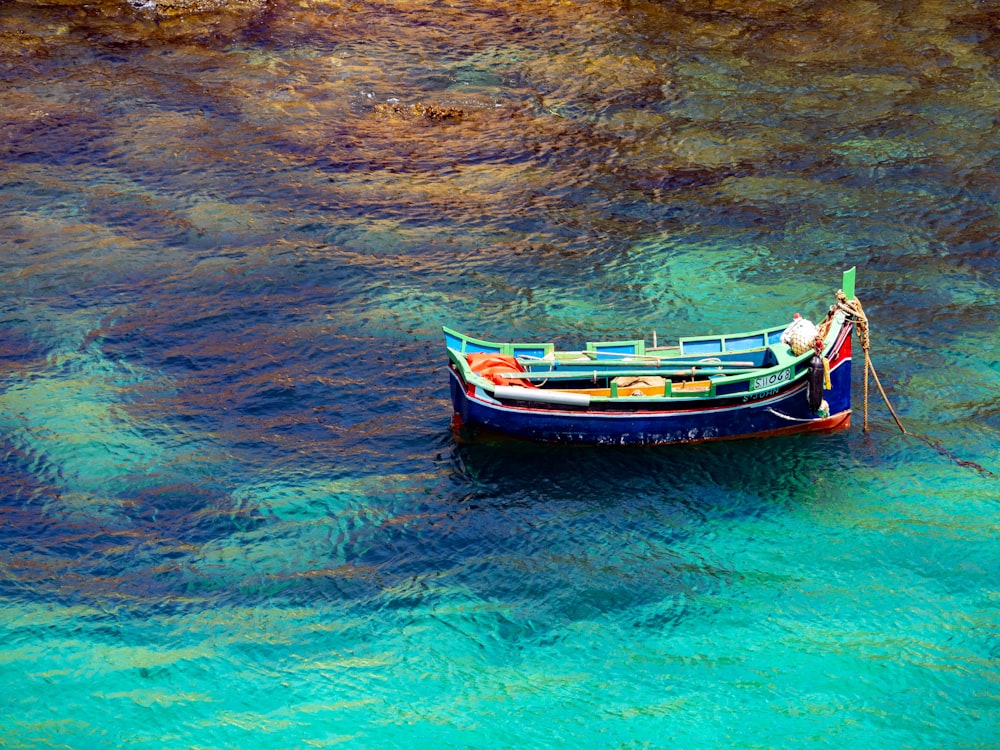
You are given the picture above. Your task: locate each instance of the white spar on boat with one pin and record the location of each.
(546, 397)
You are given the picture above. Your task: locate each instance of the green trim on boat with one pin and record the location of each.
(848, 283)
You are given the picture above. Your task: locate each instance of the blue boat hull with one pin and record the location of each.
(696, 420)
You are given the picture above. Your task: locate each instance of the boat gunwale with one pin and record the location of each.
(785, 360)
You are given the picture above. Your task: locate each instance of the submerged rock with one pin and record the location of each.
(36, 25)
(435, 112)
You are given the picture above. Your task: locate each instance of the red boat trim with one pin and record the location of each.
(833, 423)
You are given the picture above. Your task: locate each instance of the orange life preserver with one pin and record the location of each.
(491, 366)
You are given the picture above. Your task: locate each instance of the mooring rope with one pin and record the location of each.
(854, 310)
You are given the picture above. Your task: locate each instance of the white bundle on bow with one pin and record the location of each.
(800, 335)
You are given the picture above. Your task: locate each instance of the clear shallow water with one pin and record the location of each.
(232, 514)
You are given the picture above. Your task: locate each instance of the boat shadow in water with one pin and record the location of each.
(746, 476)
(646, 535)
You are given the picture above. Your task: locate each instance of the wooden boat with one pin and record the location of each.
(772, 381)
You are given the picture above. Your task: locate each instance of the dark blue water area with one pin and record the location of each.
(287, 364)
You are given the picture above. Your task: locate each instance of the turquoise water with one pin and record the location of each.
(231, 510)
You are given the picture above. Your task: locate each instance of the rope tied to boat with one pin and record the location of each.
(855, 312)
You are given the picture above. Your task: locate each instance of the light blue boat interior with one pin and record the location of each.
(693, 345)
(468, 345)
(617, 349)
(738, 342)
